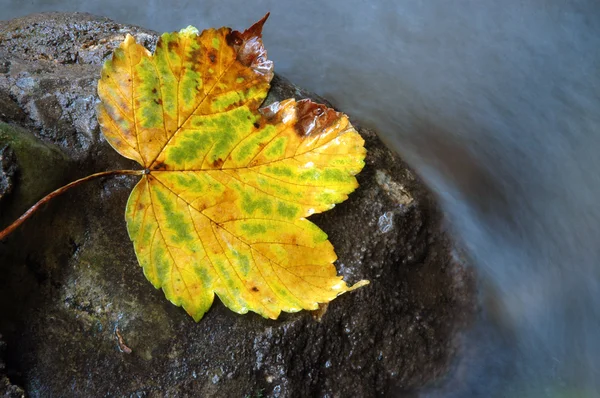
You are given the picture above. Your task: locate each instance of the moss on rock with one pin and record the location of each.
(40, 168)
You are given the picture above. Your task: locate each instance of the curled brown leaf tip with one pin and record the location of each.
(309, 116)
(250, 48)
(256, 29)
(313, 117)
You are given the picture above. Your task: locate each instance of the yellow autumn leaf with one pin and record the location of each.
(221, 207)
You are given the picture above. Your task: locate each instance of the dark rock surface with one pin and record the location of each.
(79, 318)
(7, 389)
(8, 167)
(37, 168)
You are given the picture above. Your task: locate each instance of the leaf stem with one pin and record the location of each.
(8, 230)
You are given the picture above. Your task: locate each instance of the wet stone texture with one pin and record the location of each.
(79, 319)
(8, 167)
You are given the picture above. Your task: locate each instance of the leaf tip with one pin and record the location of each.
(256, 29)
(251, 50)
(197, 317)
(129, 40)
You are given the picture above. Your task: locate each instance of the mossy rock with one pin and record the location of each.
(31, 169)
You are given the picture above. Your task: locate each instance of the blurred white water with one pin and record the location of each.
(496, 105)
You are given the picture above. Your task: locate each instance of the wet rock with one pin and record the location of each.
(35, 167)
(81, 320)
(50, 70)
(8, 167)
(7, 389)
(9, 109)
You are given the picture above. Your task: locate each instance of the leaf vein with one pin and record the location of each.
(135, 125)
(194, 110)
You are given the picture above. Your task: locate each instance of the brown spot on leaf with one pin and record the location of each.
(256, 125)
(313, 117)
(212, 57)
(159, 166)
(173, 46)
(195, 56)
(154, 90)
(234, 38)
(254, 289)
(217, 163)
(158, 101)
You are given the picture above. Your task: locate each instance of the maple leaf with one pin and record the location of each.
(221, 207)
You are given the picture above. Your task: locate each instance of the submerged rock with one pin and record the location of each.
(80, 318)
